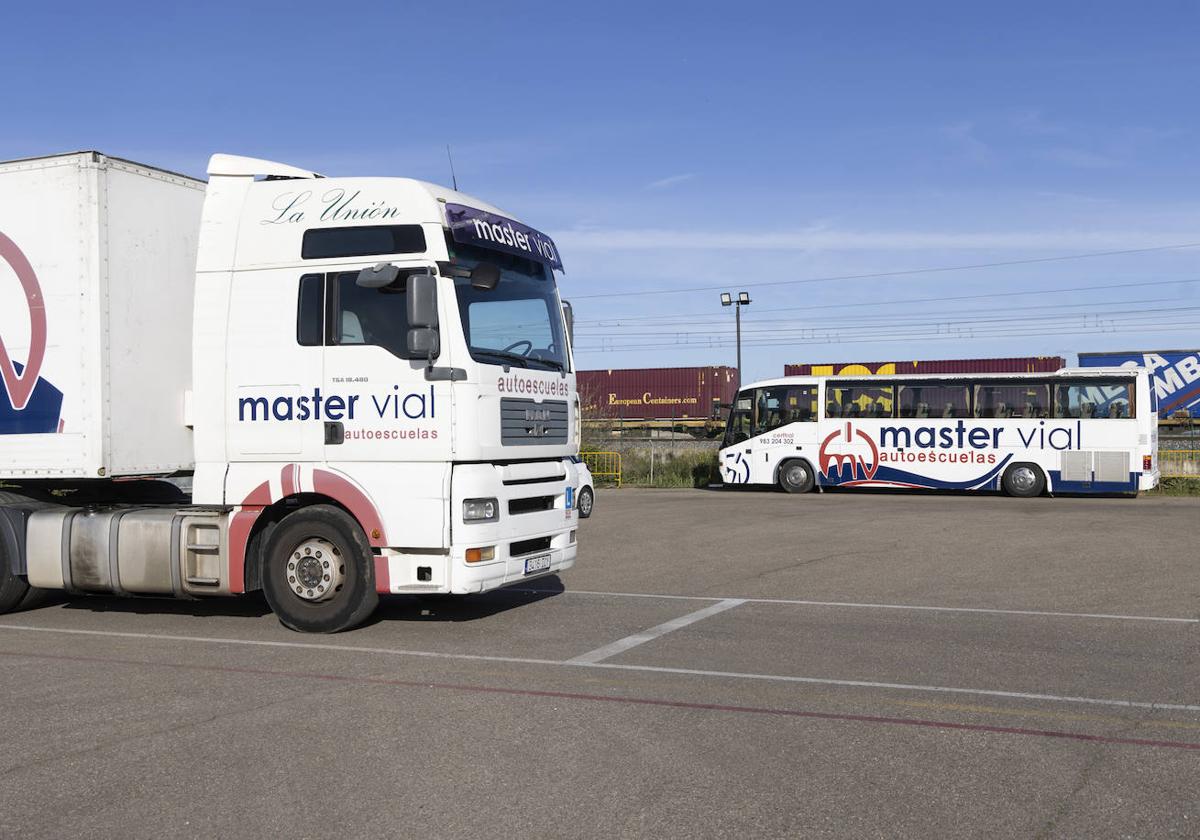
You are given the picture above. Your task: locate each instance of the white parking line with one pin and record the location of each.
(870, 606)
(622, 645)
(696, 672)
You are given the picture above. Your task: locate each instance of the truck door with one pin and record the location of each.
(387, 427)
(378, 404)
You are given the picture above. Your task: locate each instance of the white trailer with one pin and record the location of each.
(99, 263)
(366, 383)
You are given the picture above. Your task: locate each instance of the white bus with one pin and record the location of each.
(1088, 430)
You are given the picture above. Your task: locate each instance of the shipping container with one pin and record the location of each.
(691, 393)
(97, 269)
(1174, 374)
(1028, 364)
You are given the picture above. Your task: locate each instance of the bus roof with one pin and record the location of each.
(1064, 373)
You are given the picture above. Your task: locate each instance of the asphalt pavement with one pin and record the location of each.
(718, 664)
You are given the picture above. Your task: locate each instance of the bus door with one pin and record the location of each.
(785, 426)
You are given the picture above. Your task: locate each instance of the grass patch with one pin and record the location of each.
(690, 469)
(1178, 486)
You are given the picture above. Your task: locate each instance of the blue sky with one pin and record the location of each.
(693, 147)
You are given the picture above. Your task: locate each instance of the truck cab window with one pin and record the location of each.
(310, 311)
(333, 309)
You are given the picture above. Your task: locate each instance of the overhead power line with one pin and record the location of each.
(940, 298)
(900, 273)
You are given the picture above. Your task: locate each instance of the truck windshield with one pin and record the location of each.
(517, 323)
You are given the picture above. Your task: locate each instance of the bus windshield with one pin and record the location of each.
(517, 323)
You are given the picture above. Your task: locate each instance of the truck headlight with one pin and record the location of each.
(481, 510)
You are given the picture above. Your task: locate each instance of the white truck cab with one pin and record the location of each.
(368, 382)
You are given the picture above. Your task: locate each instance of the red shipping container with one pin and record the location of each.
(692, 393)
(1028, 364)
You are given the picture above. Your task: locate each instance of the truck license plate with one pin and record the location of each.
(537, 564)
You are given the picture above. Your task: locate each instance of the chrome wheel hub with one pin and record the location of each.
(1023, 478)
(797, 475)
(316, 570)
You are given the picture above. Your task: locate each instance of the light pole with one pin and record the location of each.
(743, 299)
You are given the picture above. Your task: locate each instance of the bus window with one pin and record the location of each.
(1094, 400)
(858, 400)
(780, 405)
(740, 422)
(1012, 399)
(932, 399)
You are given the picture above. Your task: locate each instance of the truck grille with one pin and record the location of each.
(529, 423)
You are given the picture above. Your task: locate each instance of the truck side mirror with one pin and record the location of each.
(422, 301)
(423, 337)
(485, 276)
(377, 276)
(424, 341)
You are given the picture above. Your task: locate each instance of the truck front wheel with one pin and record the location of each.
(319, 571)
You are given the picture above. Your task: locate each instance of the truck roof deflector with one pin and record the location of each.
(255, 167)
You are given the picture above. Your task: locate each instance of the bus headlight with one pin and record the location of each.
(481, 510)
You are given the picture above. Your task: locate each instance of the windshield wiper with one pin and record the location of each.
(505, 358)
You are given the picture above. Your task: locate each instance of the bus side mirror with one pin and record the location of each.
(423, 337)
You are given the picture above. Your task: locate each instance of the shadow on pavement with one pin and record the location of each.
(391, 607)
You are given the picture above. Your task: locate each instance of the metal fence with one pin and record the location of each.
(604, 465)
(1179, 463)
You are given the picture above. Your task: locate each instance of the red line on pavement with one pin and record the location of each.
(635, 701)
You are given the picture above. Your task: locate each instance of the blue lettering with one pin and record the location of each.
(253, 403)
(282, 408)
(1066, 444)
(895, 434)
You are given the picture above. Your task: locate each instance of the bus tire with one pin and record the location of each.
(796, 476)
(319, 571)
(1024, 480)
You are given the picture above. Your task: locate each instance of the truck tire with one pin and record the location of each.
(587, 500)
(796, 476)
(1023, 481)
(13, 589)
(319, 572)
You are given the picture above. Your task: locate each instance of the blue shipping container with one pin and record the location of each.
(1174, 374)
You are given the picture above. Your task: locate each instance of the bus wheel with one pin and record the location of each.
(319, 571)
(1023, 480)
(796, 477)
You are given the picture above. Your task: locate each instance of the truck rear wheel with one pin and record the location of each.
(319, 571)
(13, 589)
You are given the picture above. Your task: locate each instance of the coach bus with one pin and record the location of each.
(1077, 430)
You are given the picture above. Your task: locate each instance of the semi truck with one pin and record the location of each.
(326, 389)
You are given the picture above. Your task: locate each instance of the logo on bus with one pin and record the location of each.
(848, 446)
